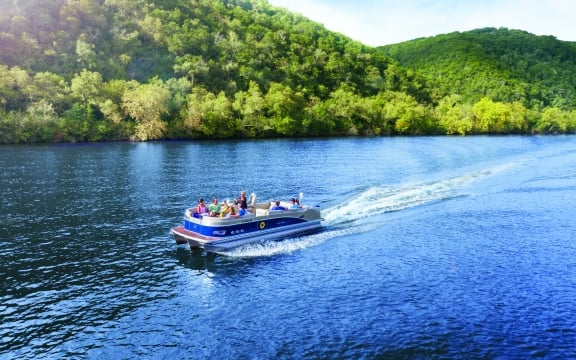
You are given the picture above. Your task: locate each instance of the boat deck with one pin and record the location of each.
(183, 231)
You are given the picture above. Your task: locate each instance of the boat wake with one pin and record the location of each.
(383, 199)
(269, 248)
(356, 215)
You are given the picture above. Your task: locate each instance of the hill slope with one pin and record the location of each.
(94, 70)
(149, 69)
(222, 45)
(502, 64)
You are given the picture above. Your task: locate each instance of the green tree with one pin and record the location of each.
(517, 121)
(192, 67)
(553, 120)
(13, 81)
(490, 116)
(210, 115)
(404, 112)
(111, 101)
(180, 89)
(572, 122)
(251, 107)
(317, 120)
(86, 87)
(341, 109)
(51, 88)
(146, 104)
(37, 124)
(86, 54)
(284, 107)
(453, 116)
(8, 123)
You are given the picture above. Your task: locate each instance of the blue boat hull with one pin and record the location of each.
(216, 235)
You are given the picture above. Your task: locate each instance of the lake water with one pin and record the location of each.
(433, 247)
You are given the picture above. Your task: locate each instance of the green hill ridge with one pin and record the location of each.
(505, 65)
(91, 70)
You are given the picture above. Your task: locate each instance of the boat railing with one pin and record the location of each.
(256, 213)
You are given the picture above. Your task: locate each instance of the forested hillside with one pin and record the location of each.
(153, 69)
(507, 65)
(503, 65)
(96, 70)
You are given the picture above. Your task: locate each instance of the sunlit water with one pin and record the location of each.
(432, 248)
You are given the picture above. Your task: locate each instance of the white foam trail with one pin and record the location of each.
(287, 246)
(381, 199)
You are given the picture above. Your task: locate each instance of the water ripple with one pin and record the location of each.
(433, 248)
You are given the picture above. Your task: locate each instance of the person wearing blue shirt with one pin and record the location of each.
(277, 206)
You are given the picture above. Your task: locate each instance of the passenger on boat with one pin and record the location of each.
(232, 212)
(242, 212)
(241, 201)
(214, 208)
(294, 204)
(278, 206)
(224, 209)
(201, 208)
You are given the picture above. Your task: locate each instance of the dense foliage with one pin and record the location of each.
(94, 70)
(532, 76)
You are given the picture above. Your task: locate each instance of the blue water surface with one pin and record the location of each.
(432, 247)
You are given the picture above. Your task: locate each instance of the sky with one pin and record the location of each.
(383, 22)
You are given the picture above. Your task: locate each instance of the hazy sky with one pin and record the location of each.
(381, 22)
